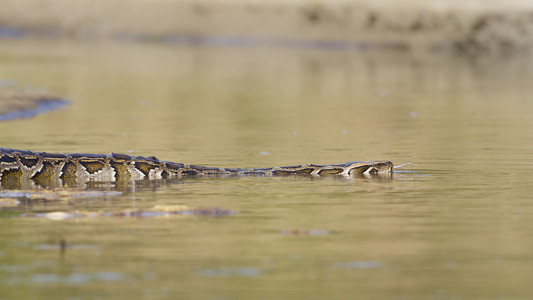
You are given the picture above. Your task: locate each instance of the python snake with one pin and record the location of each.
(20, 165)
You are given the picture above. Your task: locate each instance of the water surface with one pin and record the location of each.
(454, 224)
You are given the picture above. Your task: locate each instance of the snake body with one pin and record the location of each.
(20, 165)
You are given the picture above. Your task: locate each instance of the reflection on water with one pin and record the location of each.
(357, 265)
(223, 272)
(453, 224)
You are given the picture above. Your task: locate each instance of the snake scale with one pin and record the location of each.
(20, 165)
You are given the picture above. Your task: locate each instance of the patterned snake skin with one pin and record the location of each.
(19, 165)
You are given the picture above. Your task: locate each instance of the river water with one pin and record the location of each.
(454, 224)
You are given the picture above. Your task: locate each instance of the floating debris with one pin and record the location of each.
(156, 211)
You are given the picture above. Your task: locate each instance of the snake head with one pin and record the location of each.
(379, 167)
(369, 168)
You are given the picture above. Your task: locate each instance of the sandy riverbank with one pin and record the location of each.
(467, 26)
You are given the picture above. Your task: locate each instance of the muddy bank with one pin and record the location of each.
(466, 26)
(16, 104)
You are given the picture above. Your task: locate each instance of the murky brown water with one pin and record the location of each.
(454, 225)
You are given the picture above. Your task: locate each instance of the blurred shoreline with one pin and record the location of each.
(472, 27)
